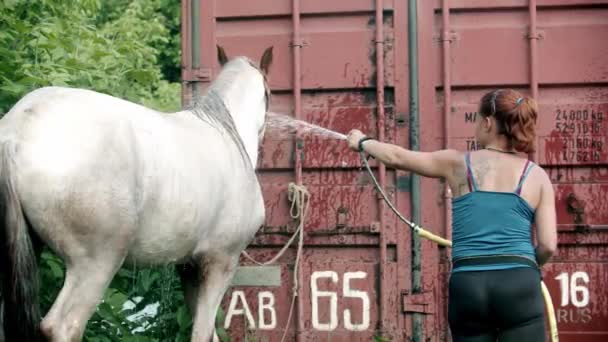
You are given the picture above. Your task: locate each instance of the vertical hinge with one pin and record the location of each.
(299, 148)
(300, 43)
(538, 35)
(197, 75)
(389, 191)
(401, 120)
(341, 217)
(418, 302)
(450, 36)
(203, 74)
(375, 227)
(300, 144)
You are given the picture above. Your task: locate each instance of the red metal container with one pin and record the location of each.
(360, 274)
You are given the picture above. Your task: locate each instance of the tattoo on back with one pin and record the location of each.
(481, 171)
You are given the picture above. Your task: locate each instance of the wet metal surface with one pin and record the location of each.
(490, 46)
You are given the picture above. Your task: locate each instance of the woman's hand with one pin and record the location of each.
(354, 136)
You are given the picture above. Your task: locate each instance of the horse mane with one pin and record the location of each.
(212, 109)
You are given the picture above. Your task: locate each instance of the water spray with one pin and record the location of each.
(285, 123)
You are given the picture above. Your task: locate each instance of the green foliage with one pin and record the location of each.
(140, 305)
(116, 47)
(220, 318)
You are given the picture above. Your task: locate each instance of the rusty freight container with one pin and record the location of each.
(410, 73)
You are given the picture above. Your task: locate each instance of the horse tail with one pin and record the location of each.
(17, 258)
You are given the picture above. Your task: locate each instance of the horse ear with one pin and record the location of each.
(266, 60)
(221, 55)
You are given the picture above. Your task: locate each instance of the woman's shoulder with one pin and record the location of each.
(539, 174)
(452, 157)
(452, 154)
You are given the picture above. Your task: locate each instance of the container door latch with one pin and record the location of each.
(418, 302)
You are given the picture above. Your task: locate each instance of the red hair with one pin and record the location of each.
(515, 116)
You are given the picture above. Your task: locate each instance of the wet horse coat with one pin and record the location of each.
(104, 182)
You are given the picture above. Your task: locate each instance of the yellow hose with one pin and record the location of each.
(435, 238)
(548, 302)
(550, 313)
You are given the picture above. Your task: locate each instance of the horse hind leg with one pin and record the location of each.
(216, 272)
(91, 260)
(191, 280)
(86, 280)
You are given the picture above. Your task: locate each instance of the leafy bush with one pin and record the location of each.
(115, 48)
(140, 305)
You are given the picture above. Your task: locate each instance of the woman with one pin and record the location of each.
(494, 290)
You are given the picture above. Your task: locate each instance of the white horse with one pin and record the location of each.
(103, 181)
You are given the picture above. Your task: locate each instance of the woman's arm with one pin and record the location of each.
(429, 164)
(546, 223)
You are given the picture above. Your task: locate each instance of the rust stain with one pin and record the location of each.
(576, 209)
(340, 94)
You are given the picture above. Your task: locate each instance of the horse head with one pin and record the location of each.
(259, 102)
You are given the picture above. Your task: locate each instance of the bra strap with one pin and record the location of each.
(470, 178)
(524, 174)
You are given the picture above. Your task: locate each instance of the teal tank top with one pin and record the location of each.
(490, 223)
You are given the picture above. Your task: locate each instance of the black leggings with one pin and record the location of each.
(502, 305)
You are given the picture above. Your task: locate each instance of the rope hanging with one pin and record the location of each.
(299, 197)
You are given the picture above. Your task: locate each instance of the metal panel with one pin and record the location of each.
(349, 65)
(579, 294)
(265, 8)
(340, 292)
(346, 234)
(257, 276)
(554, 50)
(495, 44)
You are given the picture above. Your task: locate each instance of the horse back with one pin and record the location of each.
(84, 157)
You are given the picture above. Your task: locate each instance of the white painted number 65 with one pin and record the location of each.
(347, 292)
